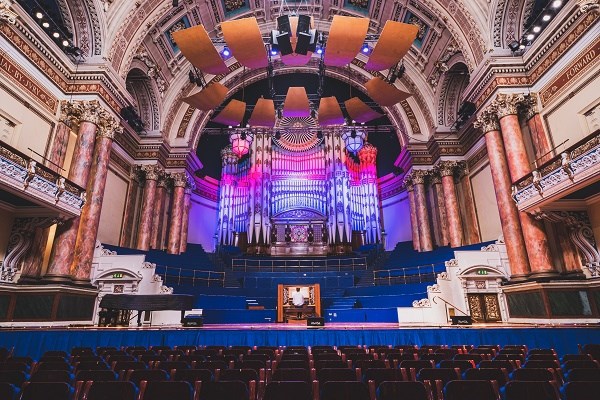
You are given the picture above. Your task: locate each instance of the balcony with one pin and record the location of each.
(27, 181)
(574, 169)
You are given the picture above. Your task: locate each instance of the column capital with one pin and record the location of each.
(419, 176)
(529, 107)
(407, 182)
(152, 172)
(163, 180)
(508, 103)
(180, 179)
(85, 111)
(435, 177)
(487, 120)
(6, 14)
(108, 126)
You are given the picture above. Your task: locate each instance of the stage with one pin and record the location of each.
(563, 338)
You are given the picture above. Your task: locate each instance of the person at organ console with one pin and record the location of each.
(298, 301)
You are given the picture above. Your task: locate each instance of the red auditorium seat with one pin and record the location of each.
(593, 350)
(13, 377)
(327, 357)
(438, 378)
(336, 375)
(171, 354)
(292, 374)
(94, 390)
(230, 390)
(186, 349)
(244, 375)
(55, 353)
(159, 349)
(256, 357)
(330, 364)
(551, 352)
(574, 357)
(414, 366)
(463, 365)
(287, 364)
(376, 376)
(25, 360)
(583, 390)
(344, 390)
(267, 352)
(138, 375)
(52, 359)
(569, 365)
(119, 366)
(80, 351)
(90, 365)
(104, 349)
(131, 349)
(52, 376)
(170, 365)
(583, 374)
(255, 365)
(403, 390)
(14, 366)
(509, 365)
(288, 390)
(364, 365)
(192, 375)
(96, 375)
(51, 365)
(462, 390)
(541, 364)
(46, 391)
(476, 358)
(165, 390)
(526, 390)
(532, 374)
(500, 375)
(210, 365)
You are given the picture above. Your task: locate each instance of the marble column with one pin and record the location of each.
(57, 156)
(180, 181)
(471, 223)
(90, 216)
(88, 113)
(414, 224)
(507, 106)
(185, 220)
(487, 121)
(438, 190)
(541, 142)
(129, 213)
(159, 211)
(152, 174)
(540, 258)
(425, 238)
(446, 170)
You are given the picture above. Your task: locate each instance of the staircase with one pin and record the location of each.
(342, 303)
(365, 278)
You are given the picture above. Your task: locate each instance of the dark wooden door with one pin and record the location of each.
(484, 307)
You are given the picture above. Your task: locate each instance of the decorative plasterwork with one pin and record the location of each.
(6, 14)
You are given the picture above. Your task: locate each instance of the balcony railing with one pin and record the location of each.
(572, 169)
(22, 174)
(403, 276)
(299, 265)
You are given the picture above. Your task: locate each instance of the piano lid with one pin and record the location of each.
(148, 302)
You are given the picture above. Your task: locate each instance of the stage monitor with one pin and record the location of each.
(315, 322)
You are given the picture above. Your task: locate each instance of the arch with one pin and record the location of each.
(451, 91)
(140, 87)
(236, 80)
(87, 25)
(509, 18)
(493, 272)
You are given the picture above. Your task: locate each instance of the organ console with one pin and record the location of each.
(118, 307)
(288, 312)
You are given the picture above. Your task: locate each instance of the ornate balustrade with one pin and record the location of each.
(571, 170)
(21, 174)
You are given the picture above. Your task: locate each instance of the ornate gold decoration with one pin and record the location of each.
(85, 111)
(436, 178)
(152, 172)
(408, 183)
(589, 6)
(508, 103)
(419, 176)
(180, 179)
(529, 107)
(108, 126)
(447, 168)
(487, 120)
(6, 14)
(163, 179)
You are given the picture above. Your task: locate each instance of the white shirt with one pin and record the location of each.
(297, 299)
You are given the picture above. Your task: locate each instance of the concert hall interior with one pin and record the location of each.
(300, 173)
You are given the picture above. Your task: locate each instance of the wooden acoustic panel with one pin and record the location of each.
(245, 41)
(232, 114)
(296, 103)
(383, 93)
(346, 37)
(330, 112)
(359, 111)
(263, 114)
(197, 47)
(393, 44)
(208, 98)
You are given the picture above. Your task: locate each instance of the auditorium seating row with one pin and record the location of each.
(316, 373)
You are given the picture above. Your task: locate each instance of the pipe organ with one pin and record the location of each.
(307, 192)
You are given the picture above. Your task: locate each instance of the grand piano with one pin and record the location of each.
(118, 307)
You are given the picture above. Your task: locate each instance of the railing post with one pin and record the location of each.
(404, 274)
(194, 278)
(179, 278)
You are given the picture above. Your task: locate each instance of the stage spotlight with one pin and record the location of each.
(274, 52)
(530, 37)
(365, 49)
(536, 29)
(243, 135)
(556, 4)
(226, 52)
(56, 35)
(45, 25)
(319, 50)
(39, 15)
(546, 17)
(353, 133)
(514, 46)
(65, 43)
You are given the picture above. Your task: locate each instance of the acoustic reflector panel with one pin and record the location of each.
(359, 111)
(346, 37)
(245, 41)
(393, 44)
(208, 98)
(296, 103)
(232, 114)
(383, 93)
(263, 114)
(197, 47)
(330, 112)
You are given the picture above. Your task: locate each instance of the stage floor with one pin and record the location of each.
(563, 338)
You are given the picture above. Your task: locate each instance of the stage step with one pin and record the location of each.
(343, 303)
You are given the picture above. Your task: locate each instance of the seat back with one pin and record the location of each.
(487, 374)
(541, 364)
(327, 357)
(291, 374)
(45, 391)
(211, 365)
(52, 376)
(169, 365)
(91, 375)
(519, 390)
(52, 365)
(102, 390)
(463, 365)
(165, 390)
(330, 364)
(569, 365)
(402, 390)
(459, 390)
(378, 375)
(230, 390)
(192, 375)
(13, 377)
(506, 364)
(138, 375)
(8, 391)
(335, 375)
(292, 364)
(532, 374)
(244, 375)
(444, 375)
(344, 390)
(583, 374)
(584, 390)
(367, 364)
(288, 390)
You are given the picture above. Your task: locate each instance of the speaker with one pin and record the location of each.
(193, 321)
(303, 24)
(283, 43)
(303, 43)
(283, 24)
(315, 322)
